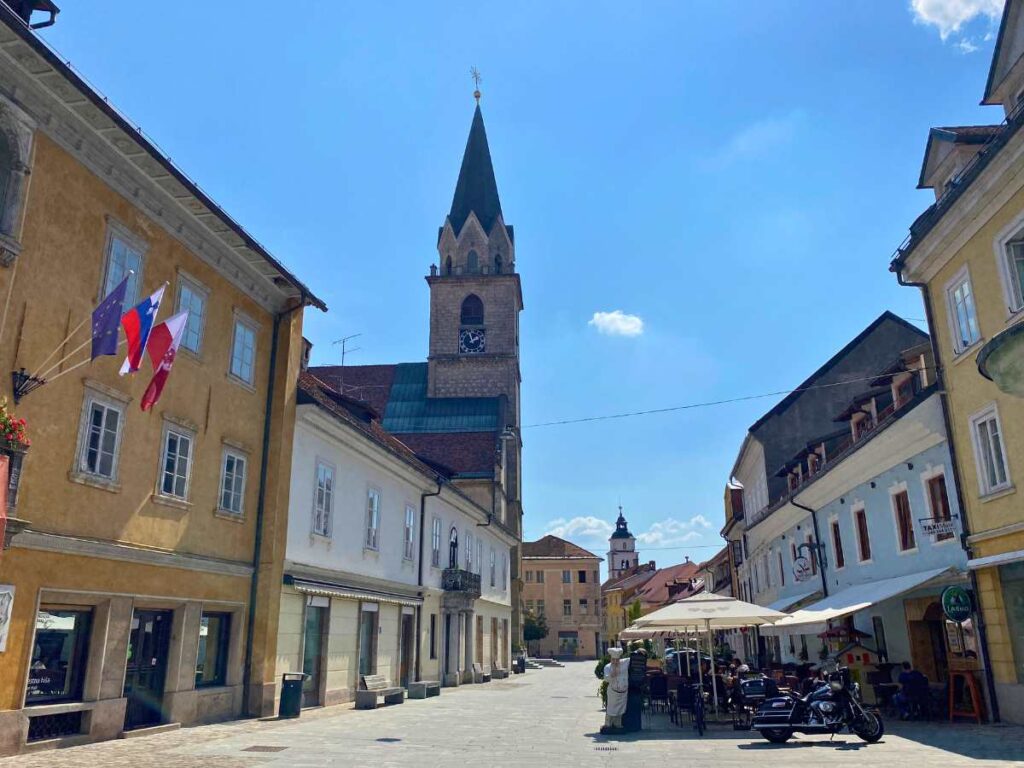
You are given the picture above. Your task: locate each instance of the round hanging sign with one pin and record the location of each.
(802, 568)
(957, 603)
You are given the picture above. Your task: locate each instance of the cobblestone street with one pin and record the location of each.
(547, 718)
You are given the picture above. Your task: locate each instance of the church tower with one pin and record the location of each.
(475, 301)
(622, 554)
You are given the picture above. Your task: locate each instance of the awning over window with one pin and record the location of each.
(353, 593)
(814, 617)
(786, 603)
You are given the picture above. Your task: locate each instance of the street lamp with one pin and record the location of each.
(1001, 360)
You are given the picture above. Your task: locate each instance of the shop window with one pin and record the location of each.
(212, 660)
(368, 639)
(1012, 578)
(433, 635)
(59, 654)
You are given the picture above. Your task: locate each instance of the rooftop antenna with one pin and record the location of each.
(344, 351)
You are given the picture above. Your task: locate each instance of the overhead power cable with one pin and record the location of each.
(706, 404)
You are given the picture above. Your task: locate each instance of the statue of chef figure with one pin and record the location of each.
(616, 673)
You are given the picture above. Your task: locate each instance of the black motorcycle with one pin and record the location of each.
(833, 706)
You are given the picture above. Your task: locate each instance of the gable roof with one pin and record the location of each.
(656, 592)
(1000, 50)
(956, 134)
(553, 547)
(476, 190)
(793, 396)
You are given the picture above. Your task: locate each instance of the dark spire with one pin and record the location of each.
(621, 529)
(476, 190)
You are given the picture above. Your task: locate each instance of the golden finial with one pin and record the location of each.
(475, 74)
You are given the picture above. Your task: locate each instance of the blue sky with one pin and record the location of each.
(734, 174)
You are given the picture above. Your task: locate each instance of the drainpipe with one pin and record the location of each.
(261, 502)
(947, 420)
(419, 570)
(817, 543)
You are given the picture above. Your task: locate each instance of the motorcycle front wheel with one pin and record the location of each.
(870, 728)
(777, 735)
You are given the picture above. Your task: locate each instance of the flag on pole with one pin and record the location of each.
(106, 319)
(162, 348)
(138, 322)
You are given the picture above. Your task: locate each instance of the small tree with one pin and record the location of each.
(634, 611)
(535, 627)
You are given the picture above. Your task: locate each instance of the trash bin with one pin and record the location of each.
(521, 665)
(291, 694)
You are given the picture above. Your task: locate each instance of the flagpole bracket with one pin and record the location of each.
(23, 383)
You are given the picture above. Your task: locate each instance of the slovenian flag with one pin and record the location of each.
(162, 348)
(137, 323)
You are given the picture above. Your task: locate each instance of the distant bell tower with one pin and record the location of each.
(622, 554)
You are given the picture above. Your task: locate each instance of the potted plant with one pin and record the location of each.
(14, 444)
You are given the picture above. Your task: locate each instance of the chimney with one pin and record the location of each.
(25, 9)
(687, 559)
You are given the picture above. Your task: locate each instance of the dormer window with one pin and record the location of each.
(813, 463)
(862, 424)
(903, 389)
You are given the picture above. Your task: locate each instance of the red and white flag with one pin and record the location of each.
(162, 347)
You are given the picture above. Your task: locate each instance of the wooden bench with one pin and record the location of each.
(498, 673)
(481, 675)
(424, 689)
(375, 687)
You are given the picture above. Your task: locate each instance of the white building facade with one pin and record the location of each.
(389, 569)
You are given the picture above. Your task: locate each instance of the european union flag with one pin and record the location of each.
(106, 319)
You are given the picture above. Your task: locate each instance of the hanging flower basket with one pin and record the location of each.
(14, 444)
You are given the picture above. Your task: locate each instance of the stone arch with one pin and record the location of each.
(472, 311)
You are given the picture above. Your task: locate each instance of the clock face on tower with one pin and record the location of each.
(471, 341)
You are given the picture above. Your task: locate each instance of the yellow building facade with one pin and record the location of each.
(142, 537)
(965, 253)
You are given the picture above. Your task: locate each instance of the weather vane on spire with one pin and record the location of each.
(475, 74)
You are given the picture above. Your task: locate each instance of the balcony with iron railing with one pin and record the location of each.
(458, 580)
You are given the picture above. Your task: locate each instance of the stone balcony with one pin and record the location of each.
(458, 580)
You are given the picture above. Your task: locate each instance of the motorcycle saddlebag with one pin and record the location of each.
(773, 713)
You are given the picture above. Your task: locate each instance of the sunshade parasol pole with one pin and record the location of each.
(700, 667)
(689, 672)
(711, 653)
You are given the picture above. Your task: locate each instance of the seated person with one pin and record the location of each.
(914, 692)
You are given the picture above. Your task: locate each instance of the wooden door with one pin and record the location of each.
(921, 652)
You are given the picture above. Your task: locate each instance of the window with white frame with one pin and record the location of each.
(963, 316)
(410, 532)
(100, 437)
(124, 255)
(906, 541)
(176, 462)
(492, 566)
(243, 351)
(323, 499)
(192, 299)
(435, 542)
(1013, 273)
(989, 451)
(372, 540)
(232, 481)
(860, 524)
(479, 555)
(469, 552)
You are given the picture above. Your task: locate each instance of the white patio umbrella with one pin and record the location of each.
(706, 611)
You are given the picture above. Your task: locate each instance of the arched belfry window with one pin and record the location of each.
(472, 310)
(497, 263)
(472, 263)
(448, 265)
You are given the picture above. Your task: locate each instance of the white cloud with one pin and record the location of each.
(757, 138)
(617, 323)
(672, 532)
(949, 16)
(964, 45)
(585, 531)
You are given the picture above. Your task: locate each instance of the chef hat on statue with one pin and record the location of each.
(615, 653)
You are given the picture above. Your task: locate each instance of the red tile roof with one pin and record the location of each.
(462, 452)
(369, 383)
(552, 546)
(655, 591)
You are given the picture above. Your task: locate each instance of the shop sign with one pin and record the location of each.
(931, 526)
(957, 603)
(802, 568)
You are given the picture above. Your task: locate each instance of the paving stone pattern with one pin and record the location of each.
(545, 719)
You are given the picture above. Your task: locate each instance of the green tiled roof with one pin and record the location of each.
(409, 410)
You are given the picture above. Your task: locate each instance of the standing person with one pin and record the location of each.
(616, 673)
(637, 684)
